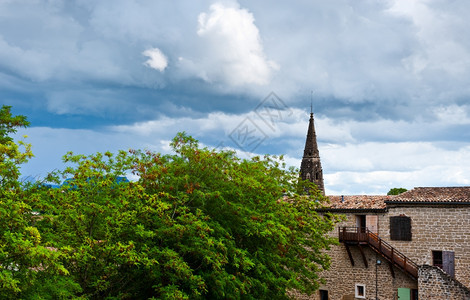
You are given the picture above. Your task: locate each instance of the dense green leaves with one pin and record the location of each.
(25, 263)
(11, 155)
(396, 191)
(196, 224)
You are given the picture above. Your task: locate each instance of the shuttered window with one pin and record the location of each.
(372, 222)
(445, 261)
(400, 228)
(448, 262)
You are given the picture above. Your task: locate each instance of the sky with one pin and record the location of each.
(389, 82)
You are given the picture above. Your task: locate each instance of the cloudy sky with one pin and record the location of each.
(390, 82)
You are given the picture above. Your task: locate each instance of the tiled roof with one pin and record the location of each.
(434, 195)
(358, 202)
(418, 195)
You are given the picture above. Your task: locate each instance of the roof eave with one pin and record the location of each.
(426, 203)
(352, 210)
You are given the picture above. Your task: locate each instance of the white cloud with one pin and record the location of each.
(84, 102)
(33, 64)
(233, 51)
(441, 59)
(452, 114)
(157, 60)
(374, 168)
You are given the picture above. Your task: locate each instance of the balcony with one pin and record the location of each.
(363, 236)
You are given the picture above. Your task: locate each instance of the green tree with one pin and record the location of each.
(11, 156)
(197, 224)
(396, 191)
(24, 261)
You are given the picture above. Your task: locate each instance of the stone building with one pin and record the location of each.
(409, 246)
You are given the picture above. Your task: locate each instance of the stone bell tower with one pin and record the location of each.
(310, 168)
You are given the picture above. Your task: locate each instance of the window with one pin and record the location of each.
(437, 259)
(445, 261)
(360, 291)
(323, 295)
(400, 228)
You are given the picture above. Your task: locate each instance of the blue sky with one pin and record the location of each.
(390, 82)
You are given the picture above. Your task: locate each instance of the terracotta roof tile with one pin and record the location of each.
(416, 195)
(435, 194)
(358, 202)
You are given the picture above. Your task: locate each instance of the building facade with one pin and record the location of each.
(415, 245)
(410, 246)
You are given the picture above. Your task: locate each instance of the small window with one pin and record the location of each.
(400, 228)
(437, 259)
(323, 295)
(445, 261)
(360, 291)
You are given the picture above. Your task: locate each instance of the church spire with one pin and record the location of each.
(310, 168)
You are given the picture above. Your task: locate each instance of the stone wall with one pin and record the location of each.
(342, 277)
(433, 283)
(434, 228)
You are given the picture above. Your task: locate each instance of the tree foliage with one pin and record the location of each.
(396, 191)
(196, 224)
(11, 155)
(24, 261)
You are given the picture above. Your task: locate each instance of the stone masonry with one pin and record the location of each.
(442, 228)
(429, 225)
(434, 284)
(342, 277)
(436, 225)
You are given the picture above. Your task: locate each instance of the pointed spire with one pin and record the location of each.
(311, 147)
(310, 167)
